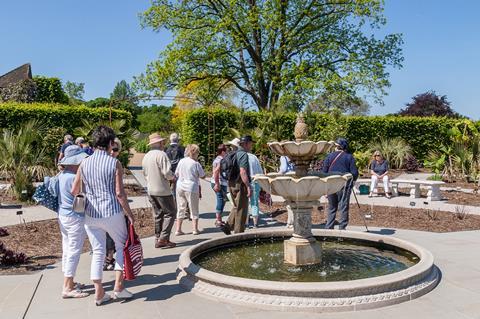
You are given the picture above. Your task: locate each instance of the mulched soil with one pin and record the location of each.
(134, 190)
(393, 217)
(450, 196)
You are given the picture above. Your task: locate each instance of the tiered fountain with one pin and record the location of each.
(320, 270)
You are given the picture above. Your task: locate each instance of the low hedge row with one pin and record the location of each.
(13, 114)
(208, 128)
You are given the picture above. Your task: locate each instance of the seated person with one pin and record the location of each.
(379, 170)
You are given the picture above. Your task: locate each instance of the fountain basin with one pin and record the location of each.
(301, 150)
(348, 295)
(306, 188)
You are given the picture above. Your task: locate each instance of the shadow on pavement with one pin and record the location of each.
(383, 231)
(160, 260)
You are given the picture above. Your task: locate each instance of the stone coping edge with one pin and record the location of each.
(319, 296)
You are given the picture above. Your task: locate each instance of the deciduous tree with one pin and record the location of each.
(276, 52)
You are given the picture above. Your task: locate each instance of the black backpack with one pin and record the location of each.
(229, 169)
(175, 154)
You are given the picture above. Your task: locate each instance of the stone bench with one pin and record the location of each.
(433, 188)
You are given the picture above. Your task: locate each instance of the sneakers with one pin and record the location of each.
(164, 244)
(106, 298)
(225, 227)
(124, 294)
(195, 232)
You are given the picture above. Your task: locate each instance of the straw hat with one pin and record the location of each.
(155, 138)
(74, 155)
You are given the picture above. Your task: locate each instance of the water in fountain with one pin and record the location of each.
(342, 259)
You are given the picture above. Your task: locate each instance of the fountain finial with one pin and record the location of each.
(301, 129)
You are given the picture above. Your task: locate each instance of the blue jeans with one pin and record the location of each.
(339, 200)
(255, 210)
(221, 195)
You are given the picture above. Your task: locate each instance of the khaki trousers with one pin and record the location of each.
(239, 212)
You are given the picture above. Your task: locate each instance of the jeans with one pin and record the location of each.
(339, 200)
(96, 230)
(73, 237)
(220, 196)
(254, 208)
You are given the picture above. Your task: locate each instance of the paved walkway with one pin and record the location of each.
(158, 295)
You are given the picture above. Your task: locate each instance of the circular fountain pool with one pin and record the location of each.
(357, 271)
(342, 259)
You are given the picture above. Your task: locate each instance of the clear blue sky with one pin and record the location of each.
(101, 42)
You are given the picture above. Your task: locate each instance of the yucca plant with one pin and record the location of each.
(394, 150)
(23, 159)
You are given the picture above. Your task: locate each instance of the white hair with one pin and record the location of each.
(174, 138)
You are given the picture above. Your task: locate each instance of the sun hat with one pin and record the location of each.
(74, 155)
(235, 142)
(342, 143)
(155, 138)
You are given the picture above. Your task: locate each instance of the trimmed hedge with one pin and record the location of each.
(423, 134)
(13, 114)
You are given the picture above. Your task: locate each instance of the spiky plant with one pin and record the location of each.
(23, 159)
(394, 150)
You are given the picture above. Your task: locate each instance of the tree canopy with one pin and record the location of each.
(429, 104)
(276, 52)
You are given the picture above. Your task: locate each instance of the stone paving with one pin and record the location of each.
(158, 295)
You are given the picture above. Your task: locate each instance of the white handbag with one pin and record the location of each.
(79, 200)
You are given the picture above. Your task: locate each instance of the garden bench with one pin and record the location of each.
(367, 181)
(433, 188)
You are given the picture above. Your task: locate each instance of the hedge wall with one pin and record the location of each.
(55, 115)
(422, 133)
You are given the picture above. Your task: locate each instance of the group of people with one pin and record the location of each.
(173, 182)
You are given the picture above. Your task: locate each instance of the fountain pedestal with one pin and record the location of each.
(302, 248)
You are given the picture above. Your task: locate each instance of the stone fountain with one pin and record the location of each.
(302, 191)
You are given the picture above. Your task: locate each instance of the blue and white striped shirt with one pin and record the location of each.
(98, 175)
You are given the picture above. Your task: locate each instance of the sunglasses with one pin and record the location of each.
(115, 149)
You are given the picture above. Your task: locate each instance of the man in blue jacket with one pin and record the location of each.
(341, 162)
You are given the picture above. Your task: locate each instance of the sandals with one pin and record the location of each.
(109, 264)
(74, 294)
(179, 233)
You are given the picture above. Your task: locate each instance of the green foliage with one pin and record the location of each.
(207, 128)
(49, 90)
(98, 102)
(13, 115)
(23, 159)
(141, 146)
(123, 131)
(74, 91)
(363, 160)
(277, 53)
(155, 119)
(423, 134)
(394, 150)
(52, 139)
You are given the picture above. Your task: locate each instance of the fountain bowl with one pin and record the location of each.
(305, 188)
(304, 150)
(351, 295)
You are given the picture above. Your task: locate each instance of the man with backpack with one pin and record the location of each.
(234, 167)
(175, 152)
(341, 162)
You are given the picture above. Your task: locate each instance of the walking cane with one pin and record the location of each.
(358, 204)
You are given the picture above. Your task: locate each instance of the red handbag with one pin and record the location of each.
(132, 254)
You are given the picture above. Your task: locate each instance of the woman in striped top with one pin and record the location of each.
(105, 210)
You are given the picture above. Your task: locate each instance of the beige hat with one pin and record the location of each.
(234, 142)
(155, 138)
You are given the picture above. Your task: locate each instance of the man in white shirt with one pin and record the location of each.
(158, 173)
